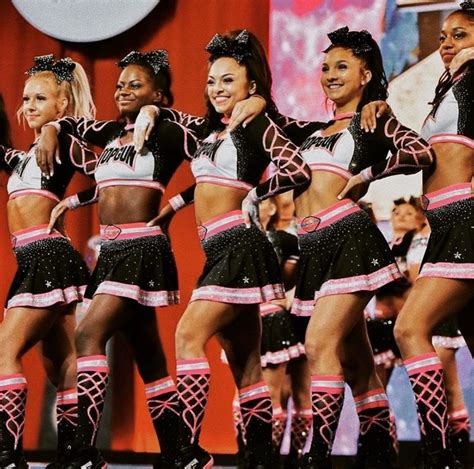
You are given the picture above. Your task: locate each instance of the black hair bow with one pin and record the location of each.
(468, 5)
(358, 41)
(237, 48)
(157, 59)
(62, 68)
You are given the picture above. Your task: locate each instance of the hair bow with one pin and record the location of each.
(468, 5)
(237, 48)
(157, 59)
(358, 41)
(62, 69)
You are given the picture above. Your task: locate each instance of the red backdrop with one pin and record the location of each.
(183, 27)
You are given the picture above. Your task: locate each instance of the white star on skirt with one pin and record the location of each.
(457, 255)
(246, 280)
(375, 261)
(151, 283)
(48, 283)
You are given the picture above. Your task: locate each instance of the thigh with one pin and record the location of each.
(336, 316)
(23, 327)
(142, 335)
(432, 301)
(106, 315)
(57, 346)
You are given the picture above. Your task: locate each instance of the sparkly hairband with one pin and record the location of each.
(62, 69)
(237, 48)
(358, 41)
(468, 5)
(157, 59)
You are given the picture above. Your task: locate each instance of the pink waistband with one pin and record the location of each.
(128, 231)
(32, 234)
(447, 195)
(451, 138)
(326, 217)
(220, 223)
(37, 192)
(269, 308)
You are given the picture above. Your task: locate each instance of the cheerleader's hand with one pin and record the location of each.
(47, 150)
(246, 110)
(56, 219)
(163, 219)
(371, 112)
(250, 209)
(144, 125)
(355, 185)
(460, 59)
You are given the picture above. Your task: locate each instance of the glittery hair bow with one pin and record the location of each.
(358, 41)
(157, 59)
(62, 68)
(468, 5)
(237, 48)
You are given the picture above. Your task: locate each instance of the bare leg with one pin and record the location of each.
(430, 302)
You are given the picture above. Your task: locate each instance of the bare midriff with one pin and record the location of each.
(128, 204)
(29, 210)
(212, 200)
(454, 165)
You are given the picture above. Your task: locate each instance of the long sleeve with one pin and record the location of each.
(92, 131)
(297, 130)
(409, 152)
(291, 170)
(194, 123)
(9, 158)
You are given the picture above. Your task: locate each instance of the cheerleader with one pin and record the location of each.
(51, 275)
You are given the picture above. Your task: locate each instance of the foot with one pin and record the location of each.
(310, 461)
(443, 459)
(12, 460)
(194, 457)
(87, 457)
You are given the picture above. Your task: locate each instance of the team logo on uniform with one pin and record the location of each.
(310, 224)
(202, 231)
(111, 232)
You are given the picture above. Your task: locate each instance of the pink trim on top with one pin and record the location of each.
(365, 282)
(222, 181)
(371, 399)
(447, 270)
(128, 231)
(37, 192)
(146, 183)
(66, 397)
(282, 356)
(192, 366)
(326, 217)
(451, 138)
(93, 363)
(421, 363)
(220, 223)
(15, 381)
(238, 295)
(332, 384)
(269, 308)
(162, 386)
(43, 300)
(254, 391)
(32, 234)
(447, 195)
(331, 168)
(134, 292)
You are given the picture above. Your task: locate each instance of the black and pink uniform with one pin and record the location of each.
(342, 251)
(450, 250)
(135, 261)
(50, 270)
(241, 266)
